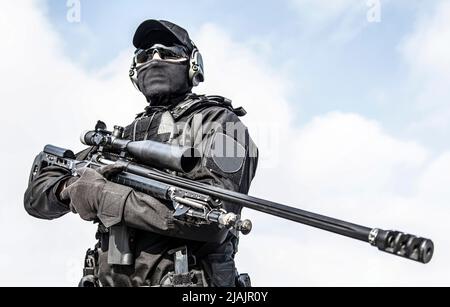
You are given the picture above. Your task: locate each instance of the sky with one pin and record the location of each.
(348, 103)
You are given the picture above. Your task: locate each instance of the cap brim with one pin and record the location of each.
(152, 32)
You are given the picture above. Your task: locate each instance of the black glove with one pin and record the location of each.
(93, 196)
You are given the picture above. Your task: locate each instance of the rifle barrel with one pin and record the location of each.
(393, 242)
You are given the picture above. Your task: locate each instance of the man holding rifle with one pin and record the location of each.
(161, 249)
(167, 190)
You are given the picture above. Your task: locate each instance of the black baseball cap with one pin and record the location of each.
(153, 31)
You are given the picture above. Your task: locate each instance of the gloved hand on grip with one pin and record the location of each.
(93, 196)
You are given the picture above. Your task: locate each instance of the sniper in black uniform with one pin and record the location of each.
(147, 239)
(166, 201)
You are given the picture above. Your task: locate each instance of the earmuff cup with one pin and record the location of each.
(196, 70)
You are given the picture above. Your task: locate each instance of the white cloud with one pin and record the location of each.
(339, 164)
(347, 167)
(427, 52)
(337, 145)
(427, 48)
(46, 98)
(338, 21)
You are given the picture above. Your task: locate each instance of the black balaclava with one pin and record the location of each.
(161, 82)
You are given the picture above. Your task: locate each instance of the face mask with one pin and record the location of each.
(160, 81)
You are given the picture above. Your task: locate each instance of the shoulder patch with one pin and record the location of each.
(227, 154)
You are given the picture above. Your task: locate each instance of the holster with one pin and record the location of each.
(182, 276)
(119, 251)
(90, 279)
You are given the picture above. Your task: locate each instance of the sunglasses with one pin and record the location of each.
(171, 54)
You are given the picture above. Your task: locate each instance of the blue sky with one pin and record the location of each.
(352, 120)
(326, 74)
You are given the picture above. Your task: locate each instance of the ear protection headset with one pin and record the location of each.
(196, 69)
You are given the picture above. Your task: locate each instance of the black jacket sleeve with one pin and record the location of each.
(41, 199)
(229, 155)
